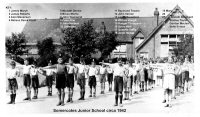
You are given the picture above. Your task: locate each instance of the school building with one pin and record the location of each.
(151, 37)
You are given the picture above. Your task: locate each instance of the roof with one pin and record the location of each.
(162, 23)
(33, 44)
(41, 28)
(137, 32)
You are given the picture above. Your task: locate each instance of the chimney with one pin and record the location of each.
(156, 15)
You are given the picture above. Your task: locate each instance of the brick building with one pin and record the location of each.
(153, 36)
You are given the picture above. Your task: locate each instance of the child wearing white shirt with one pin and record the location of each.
(119, 73)
(103, 72)
(81, 69)
(34, 78)
(49, 78)
(12, 74)
(27, 78)
(92, 71)
(110, 77)
(70, 80)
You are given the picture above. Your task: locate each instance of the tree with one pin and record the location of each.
(106, 43)
(79, 41)
(16, 44)
(185, 46)
(84, 41)
(46, 50)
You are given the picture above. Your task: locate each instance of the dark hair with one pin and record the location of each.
(13, 63)
(26, 59)
(35, 63)
(119, 59)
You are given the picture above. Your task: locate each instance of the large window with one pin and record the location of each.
(168, 43)
(164, 39)
(173, 37)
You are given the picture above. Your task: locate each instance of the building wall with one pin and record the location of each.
(186, 28)
(166, 29)
(147, 48)
(129, 50)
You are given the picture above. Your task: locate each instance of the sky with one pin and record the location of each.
(89, 10)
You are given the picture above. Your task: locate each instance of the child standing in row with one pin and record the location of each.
(92, 71)
(110, 76)
(34, 79)
(81, 68)
(27, 78)
(49, 79)
(61, 78)
(103, 73)
(70, 79)
(12, 74)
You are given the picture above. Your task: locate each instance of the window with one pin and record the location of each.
(178, 37)
(164, 38)
(172, 45)
(164, 42)
(172, 42)
(168, 43)
(172, 36)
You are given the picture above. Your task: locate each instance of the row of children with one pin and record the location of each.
(141, 75)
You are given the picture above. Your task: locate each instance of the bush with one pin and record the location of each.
(18, 59)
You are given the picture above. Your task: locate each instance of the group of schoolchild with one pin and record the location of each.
(131, 77)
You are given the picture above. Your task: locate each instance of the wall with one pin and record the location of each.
(186, 28)
(129, 50)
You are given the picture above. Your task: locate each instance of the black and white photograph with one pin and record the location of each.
(115, 57)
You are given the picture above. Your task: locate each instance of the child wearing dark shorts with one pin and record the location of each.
(146, 80)
(92, 84)
(35, 85)
(49, 73)
(103, 73)
(110, 77)
(27, 78)
(81, 70)
(12, 74)
(118, 88)
(34, 79)
(61, 74)
(142, 79)
(92, 71)
(49, 83)
(119, 73)
(70, 80)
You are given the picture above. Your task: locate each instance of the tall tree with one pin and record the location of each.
(79, 41)
(185, 46)
(106, 43)
(85, 41)
(46, 50)
(16, 44)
